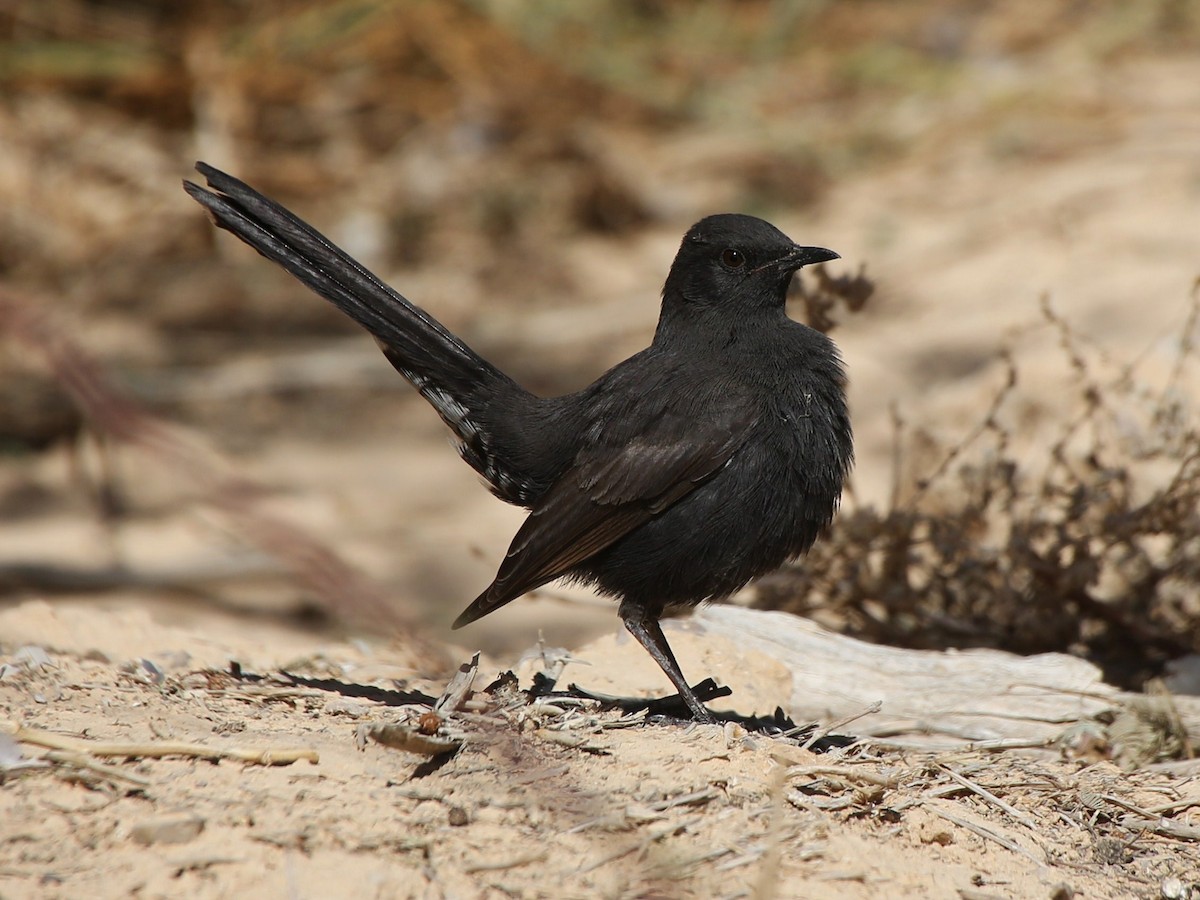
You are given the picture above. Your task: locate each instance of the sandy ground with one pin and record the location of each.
(536, 804)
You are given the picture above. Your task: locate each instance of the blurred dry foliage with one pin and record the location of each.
(476, 130)
(1093, 549)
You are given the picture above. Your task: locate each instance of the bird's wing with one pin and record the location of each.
(618, 482)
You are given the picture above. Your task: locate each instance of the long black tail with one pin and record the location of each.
(457, 381)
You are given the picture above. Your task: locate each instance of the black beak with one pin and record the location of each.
(798, 257)
(807, 256)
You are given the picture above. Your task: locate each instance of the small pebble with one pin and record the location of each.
(173, 829)
(1173, 888)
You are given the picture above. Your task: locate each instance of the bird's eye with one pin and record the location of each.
(732, 258)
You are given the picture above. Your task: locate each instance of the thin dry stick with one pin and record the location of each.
(1154, 822)
(268, 757)
(850, 773)
(1001, 744)
(983, 831)
(573, 741)
(841, 723)
(987, 795)
(695, 798)
(83, 761)
(1187, 345)
(1164, 827)
(458, 688)
(898, 424)
(990, 746)
(500, 865)
(1181, 803)
(767, 884)
(987, 423)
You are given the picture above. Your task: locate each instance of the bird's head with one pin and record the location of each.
(736, 262)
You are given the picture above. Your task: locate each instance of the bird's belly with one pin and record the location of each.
(760, 510)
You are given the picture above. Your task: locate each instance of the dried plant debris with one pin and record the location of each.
(704, 806)
(1147, 730)
(432, 732)
(1008, 799)
(830, 295)
(438, 727)
(80, 752)
(672, 710)
(1089, 547)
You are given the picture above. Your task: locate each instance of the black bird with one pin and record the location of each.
(704, 461)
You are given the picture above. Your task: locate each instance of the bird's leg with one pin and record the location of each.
(650, 635)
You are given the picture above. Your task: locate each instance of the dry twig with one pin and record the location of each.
(982, 830)
(155, 750)
(987, 795)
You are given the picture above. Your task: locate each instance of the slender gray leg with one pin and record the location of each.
(649, 634)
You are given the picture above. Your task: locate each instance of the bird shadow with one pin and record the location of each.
(673, 710)
(670, 710)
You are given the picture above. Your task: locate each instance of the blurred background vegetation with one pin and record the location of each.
(523, 170)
